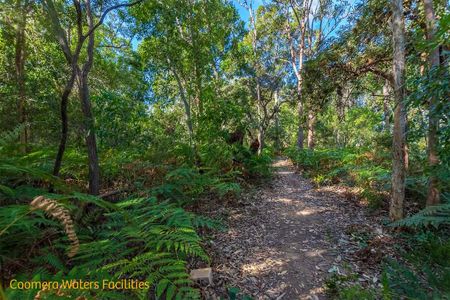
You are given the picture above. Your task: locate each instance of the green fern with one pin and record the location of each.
(139, 238)
(436, 215)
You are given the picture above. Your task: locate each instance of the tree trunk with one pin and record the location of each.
(433, 196)
(20, 57)
(340, 103)
(277, 122)
(198, 77)
(89, 128)
(261, 137)
(261, 126)
(311, 132)
(187, 109)
(261, 120)
(86, 107)
(300, 135)
(64, 122)
(398, 149)
(299, 72)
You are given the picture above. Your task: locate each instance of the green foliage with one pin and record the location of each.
(188, 184)
(234, 293)
(426, 275)
(353, 167)
(356, 292)
(164, 236)
(339, 286)
(179, 91)
(436, 215)
(259, 165)
(9, 137)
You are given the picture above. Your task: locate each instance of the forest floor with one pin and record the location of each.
(286, 238)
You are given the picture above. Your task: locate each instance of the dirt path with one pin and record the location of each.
(282, 243)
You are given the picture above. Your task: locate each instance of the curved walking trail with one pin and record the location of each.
(284, 241)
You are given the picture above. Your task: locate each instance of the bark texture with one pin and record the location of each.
(311, 131)
(433, 196)
(86, 107)
(64, 122)
(399, 138)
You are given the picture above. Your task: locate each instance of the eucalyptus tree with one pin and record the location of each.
(266, 64)
(309, 27)
(183, 45)
(399, 134)
(297, 15)
(433, 118)
(86, 13)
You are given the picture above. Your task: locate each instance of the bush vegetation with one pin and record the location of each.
(121, 120)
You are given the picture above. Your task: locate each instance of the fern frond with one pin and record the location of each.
(435, 216)
(60, 213)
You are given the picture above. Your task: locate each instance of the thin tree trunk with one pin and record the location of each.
(63, 38)
(340, 103)
(311, 131)
(277, 122)
(261, 139)
(300, 135)
(89, 128)
(20, 57)
(72, 61)
(261, 127)
(299, 74)
(187, 108)
(398, 151)
(433, 196)
(64, 122)
(299, 70)
(86, 107)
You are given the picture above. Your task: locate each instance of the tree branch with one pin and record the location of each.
(105, 13)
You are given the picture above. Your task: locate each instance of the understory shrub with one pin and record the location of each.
(351, 167)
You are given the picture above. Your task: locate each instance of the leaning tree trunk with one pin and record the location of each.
(433, 119)
(399, 138)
